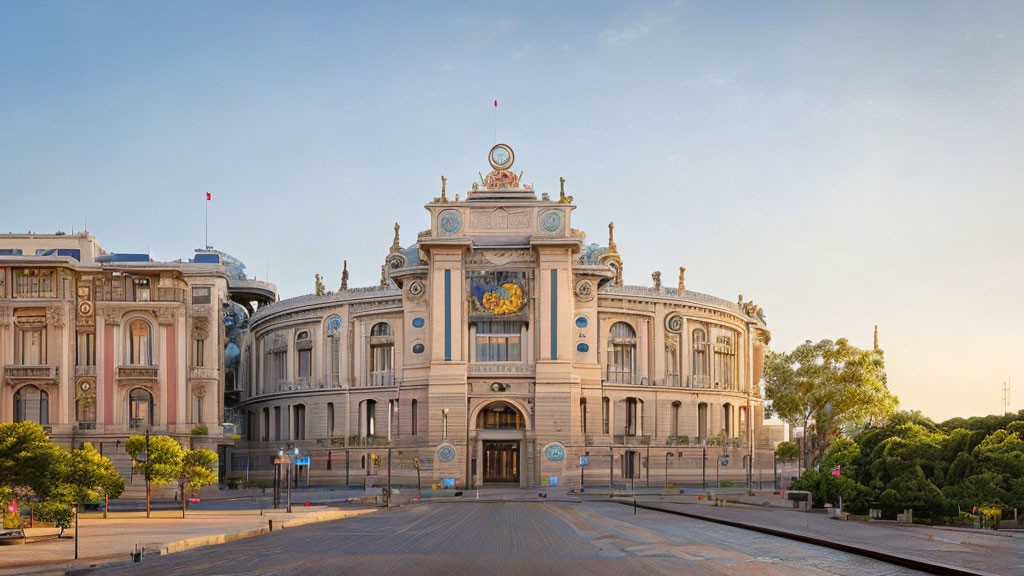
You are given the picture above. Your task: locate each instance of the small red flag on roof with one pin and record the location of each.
(495, 103)
(209, 196)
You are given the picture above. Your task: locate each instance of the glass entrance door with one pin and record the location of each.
(501, 462)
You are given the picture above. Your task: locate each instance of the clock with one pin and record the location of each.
(501, 157)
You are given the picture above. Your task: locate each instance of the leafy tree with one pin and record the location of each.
(198, 469)
(29, 462)
(161, 465)
(787, 451)
(825, 387)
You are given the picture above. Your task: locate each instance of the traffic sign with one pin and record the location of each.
(584, 461)
(302, 461)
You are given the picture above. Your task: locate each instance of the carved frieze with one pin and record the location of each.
(164, 315)
(499, 219)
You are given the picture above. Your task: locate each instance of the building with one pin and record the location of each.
(97, 346)
(499, 348)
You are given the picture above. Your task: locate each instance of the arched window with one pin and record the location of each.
(140, 408)
(31, 405)
(85, 412)
(743, 421)
(634, 417)
(702, 420)
(381, 361)
(727, 419)
(621, 353)
(139, 343)
(299, 424)
(699, 360)
(304, 351)
(500, 416)
(675, 417)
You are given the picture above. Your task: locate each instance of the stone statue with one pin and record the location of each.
(318, 285)
(395, 245)
(657, 280)
(611, 236)
(682, 279)
(444, 187)
(344, 276)
(383, 276)
(562, 198)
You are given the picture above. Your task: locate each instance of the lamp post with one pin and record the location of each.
(295, 453)
(146, 471)
(703, 463)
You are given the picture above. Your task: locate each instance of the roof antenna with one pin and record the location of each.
(495, 121)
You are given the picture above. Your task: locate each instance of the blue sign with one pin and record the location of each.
(449, 482)
(554, 452)
(302, 461)
(584, 461)
(552, 480)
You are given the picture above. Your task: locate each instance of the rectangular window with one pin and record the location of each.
(606, 407)
(200, 294)
(415, 417)
(280, 366)
(305, 362)
(300, 422)
(498, 341)
(583, 415)
(31, 347)
(266, 425)
(330, 419)
(277, 422)
(335, 362)
(631, 417)
(197, 352)
(34, 283)
(85, 353)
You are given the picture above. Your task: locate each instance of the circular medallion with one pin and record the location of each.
(415, 289)
(417, 348)
(418, 322)
(446, 453)
(551, 221)
(583, 347)
(450, 221)
(554, 452)
(581, 322)
(395, 261)
(85, 308)
(584, 290)
(86, 386)
(501, 157)
(334, 324)
(674, 323)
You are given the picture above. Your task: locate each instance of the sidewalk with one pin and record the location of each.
(166, 532)
(980, 552)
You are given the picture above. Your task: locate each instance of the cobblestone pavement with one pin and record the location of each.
(512, 538)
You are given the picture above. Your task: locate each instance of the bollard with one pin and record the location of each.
(271, 524)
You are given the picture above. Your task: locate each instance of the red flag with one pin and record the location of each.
(495, 103)
(209, 196)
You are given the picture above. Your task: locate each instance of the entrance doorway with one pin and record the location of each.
(501, 461)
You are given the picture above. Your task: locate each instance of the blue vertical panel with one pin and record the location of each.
(554, 314)
(447, 315)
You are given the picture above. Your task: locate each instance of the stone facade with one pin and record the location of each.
(98, 346)
(499, 348)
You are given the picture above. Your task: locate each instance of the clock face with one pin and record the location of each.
(501, 157)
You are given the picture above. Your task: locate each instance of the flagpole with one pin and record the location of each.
(206, 226)
(495, 121)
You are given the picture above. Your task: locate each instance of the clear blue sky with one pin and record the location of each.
(843, 165)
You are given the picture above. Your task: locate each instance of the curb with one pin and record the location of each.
(905, 561)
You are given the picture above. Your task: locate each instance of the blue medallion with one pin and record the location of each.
(417, 322)
(446, 453)
(417, 348)
(581, 322)
(554, 452)
(333, 324)
(450, 221)
(551, 221)
(583, 347)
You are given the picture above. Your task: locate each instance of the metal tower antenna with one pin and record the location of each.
(1006, 397)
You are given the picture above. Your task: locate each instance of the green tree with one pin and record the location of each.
(85, 475)
(198, 469)
(160, 461)
(29, 462)
(786, 451)
(826, 386)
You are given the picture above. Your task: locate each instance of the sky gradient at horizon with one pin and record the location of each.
(841, 165)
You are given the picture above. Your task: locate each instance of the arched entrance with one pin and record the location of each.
(500, 427)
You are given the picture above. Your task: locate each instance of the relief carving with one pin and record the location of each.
(499, 219)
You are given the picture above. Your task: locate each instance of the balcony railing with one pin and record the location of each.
(86, 425)
(616, 376)
(500, 368)
(382, 378)
(202, 372)
(134, 373)
(699, 381)
(29, 374)
(137, 423)
(632, 440)
(85, 371)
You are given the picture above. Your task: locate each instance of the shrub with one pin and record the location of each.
(55, 512)
(233, 482)
(200, 430)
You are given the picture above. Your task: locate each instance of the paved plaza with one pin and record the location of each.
(512, 538)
